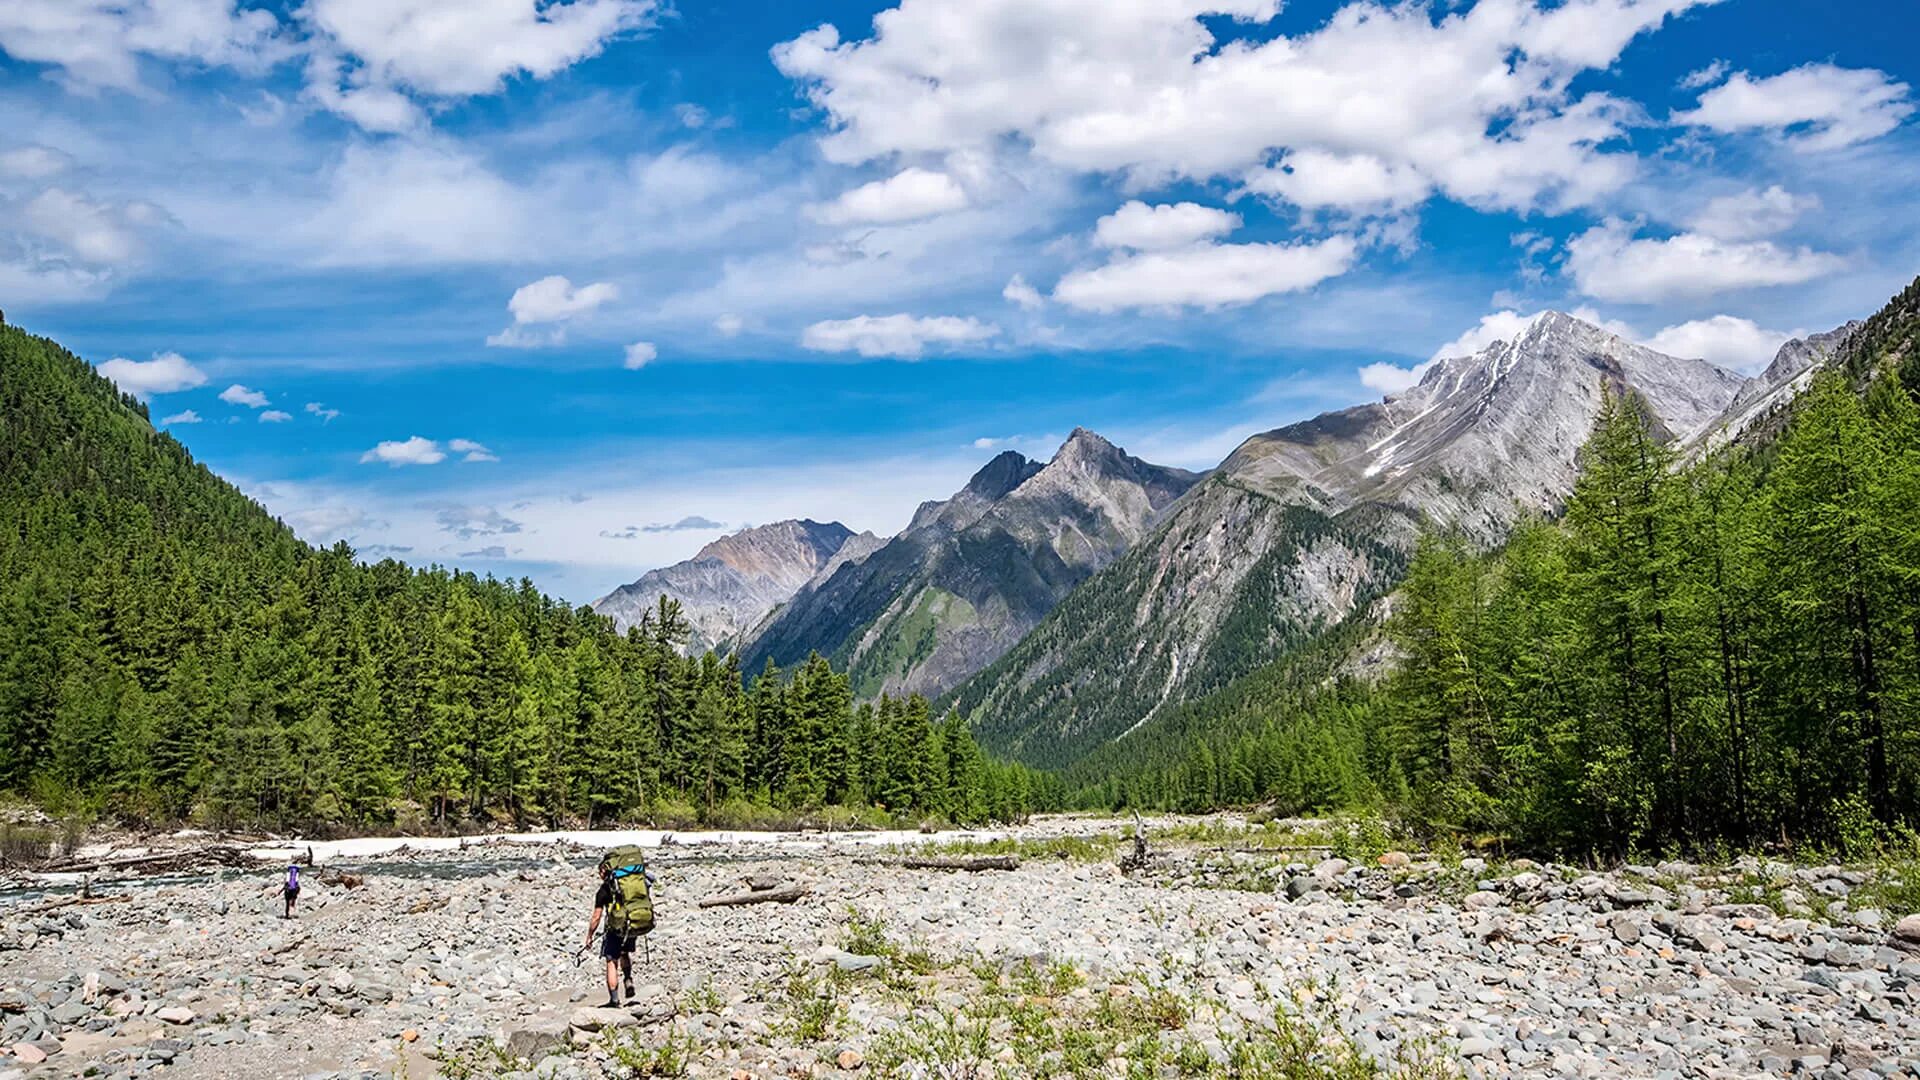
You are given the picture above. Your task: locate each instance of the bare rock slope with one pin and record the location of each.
(733, 583)
(1303, 526)
(971, 574)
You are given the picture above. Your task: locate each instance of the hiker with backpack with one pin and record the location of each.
(625, 898)
(291, 890)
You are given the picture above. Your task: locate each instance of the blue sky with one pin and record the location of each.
(569, 289)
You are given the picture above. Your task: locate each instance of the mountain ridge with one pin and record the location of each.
(1305, 524)
(971, 573)
(732, 583)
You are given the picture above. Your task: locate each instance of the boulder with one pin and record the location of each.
(601, 1018)
(533, 1042)
(176, 1014)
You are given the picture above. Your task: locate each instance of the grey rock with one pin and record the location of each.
(533, 1042)
(730, 585)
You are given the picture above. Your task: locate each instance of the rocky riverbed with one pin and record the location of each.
(1209, 957)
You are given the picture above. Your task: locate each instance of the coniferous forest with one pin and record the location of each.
(168, 651)
(1718, 650)
(1724, 650)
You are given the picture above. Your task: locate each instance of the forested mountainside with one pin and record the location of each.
(972, 574)
(734, 583)
(1303, 527)
(1725, 651)
(169, 650)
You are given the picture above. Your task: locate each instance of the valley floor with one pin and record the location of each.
(1232, 951)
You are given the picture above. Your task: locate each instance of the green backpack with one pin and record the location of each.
(632, 908)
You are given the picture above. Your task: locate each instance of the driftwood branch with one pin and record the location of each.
(154, 861)
(71, 901)
(943, 862)
(759, 896)
(969, 862)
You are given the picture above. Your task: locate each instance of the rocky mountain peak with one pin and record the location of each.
(973, 573)
(732, 583)
(779, 547)
(1008, 470)
(1800, 354)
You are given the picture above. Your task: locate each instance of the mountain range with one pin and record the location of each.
(730, 585)
(1066, 604)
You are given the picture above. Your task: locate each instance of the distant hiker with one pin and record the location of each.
(291, 891)
(625, 897)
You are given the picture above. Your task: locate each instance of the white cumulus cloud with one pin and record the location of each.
(275, 416)
(1023, 295)
(166, 373)
(471, 450)
(410, 451)
(241, 395)
(1751, 214)
(1813, 107)
(1206, 276)
(1610, 263)
(370, 51)
(639, 355)
(1476, 102)
(908, 195)
(1154, 228)
(187, 416)
(1729, 341)
(904, 336)
(99, 43)
(539, 305)
(1323, 179)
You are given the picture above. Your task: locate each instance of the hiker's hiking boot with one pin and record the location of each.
(612, 1002)
(629, 988)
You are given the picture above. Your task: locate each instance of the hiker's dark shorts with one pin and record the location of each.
(615, 944)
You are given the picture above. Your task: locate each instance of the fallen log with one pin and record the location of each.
(71, 901)
(968, 862)
(759, 896)
(216, 854)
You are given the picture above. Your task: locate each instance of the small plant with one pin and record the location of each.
(1097, 848)
(474, 1060)
(1856, 834)
(866, 936)
(813, 1007)
(628, 1050)
(947, 1045)
(1895, 889)
(703, 998)
(1047, 980)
